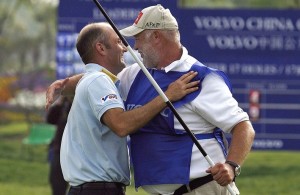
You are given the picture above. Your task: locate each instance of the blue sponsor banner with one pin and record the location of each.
(257, 48)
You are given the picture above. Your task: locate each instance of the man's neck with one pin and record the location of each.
(170, 56)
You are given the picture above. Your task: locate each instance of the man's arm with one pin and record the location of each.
(70, 86)
(241, 142)
(126, 122)
(64, 87)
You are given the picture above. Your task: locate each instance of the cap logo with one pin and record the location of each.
(138, 18)
(152, 25)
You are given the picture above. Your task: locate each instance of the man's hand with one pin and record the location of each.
(182, 86)
(222, 173)
(54, 91)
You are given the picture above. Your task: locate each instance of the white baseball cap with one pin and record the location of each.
(153, 17)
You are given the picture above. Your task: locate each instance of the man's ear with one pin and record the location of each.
(100, 48)
(156, 36)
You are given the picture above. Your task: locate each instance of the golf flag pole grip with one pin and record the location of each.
(159, 90)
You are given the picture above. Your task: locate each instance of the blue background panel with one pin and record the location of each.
(257, 48)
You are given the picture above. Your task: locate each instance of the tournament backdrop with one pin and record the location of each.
(259, 49)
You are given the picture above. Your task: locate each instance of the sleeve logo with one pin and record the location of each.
(109, 97)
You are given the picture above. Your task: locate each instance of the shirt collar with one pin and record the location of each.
(95, 67)
(177, 63)
(110, 75)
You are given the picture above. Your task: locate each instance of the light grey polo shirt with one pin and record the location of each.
(90, 151)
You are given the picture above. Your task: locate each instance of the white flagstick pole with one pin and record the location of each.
(160, 92)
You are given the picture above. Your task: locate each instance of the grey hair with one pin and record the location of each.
(171, 35)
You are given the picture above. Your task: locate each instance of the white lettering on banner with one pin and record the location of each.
(117, 13)
(236, 33)
(268, 144)
(257, 69)
(66, 27)
(277, 86)
(234, 68)
(252, 24)
(232, 42)
(219, 23)
(236, 42)
(292, 69)
(255, 86)
(269, 24)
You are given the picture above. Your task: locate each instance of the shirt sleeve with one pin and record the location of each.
(103, 95)
(216, 104)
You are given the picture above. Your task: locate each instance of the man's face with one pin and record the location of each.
(146, 48)
(116, 52)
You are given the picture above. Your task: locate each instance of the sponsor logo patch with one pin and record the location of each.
(138, 18)
(109, 97)
(152, 25)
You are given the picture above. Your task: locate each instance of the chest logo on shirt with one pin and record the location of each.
(109, 97)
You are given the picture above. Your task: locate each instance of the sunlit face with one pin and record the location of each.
(116, 52)
(146, 48)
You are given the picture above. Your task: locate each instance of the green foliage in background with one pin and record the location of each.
(264, 172)
(27, 35)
